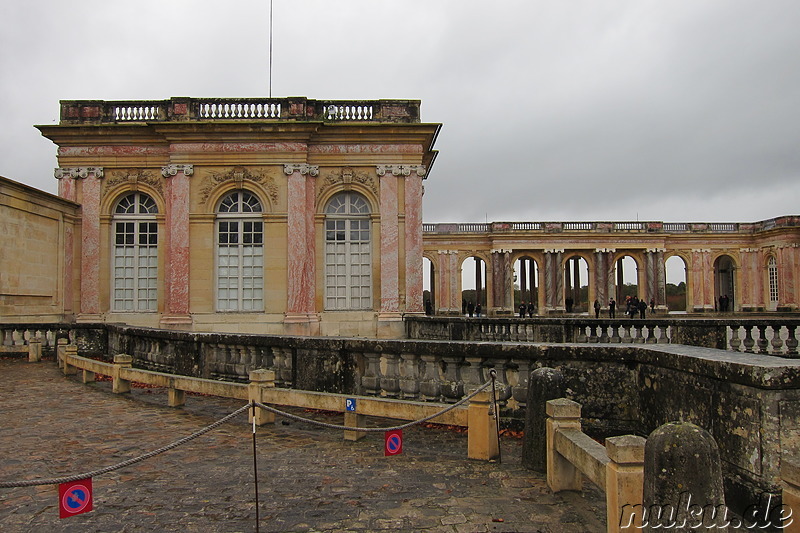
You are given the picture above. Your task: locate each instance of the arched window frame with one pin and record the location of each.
(134, 277)
(239, 253)
(772, 282)
(348, 252)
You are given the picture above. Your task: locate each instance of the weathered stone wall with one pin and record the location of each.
(748, 402)
(34, 268)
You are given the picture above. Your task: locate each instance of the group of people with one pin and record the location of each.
(470, 308)
(530, 309)
(633, 306)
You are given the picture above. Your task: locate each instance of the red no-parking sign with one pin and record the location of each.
(393, 442)
(74, 498)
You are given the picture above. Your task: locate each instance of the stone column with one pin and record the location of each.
(90, 233)
(176, 262)
(748, 272)
(502, 280)
(601, 276)
(661, 282)
(702, 281)
(554, 280)
(301, 317)
(390, 302)
(413, 240)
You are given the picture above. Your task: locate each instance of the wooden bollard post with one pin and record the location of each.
(259, 380)
(119, 385)
(561, 474)
(624, 480)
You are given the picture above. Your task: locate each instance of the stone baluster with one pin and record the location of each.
(604, 338)
(371, 380)
(452, 388)
(651, 335)
(19, 337)
(615, 333)
(7, 341)
(471, 372)
(626, 333)
(520, 391)
(748, 339)
(593, 333)
(735, 342)
(762, 342)
(277, 362)
(639, 338)
(430, 384)
(409, 376)
(502, 386)
(777, 342)
(286, 367)
(791, 341)
(390, 380)
(580, 335)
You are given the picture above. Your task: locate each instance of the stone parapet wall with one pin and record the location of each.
(746, 401)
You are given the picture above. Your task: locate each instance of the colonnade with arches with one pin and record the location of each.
(561, 280)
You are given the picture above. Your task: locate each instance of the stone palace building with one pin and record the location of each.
(302, 216)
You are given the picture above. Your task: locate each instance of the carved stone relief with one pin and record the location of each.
(344, 178)
(133, 177)
(239, 175)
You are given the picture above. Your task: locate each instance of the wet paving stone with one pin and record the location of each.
(309, 479)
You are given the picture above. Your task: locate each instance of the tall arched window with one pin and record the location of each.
(240, 256)
(772, 272)
(348, 263)
(135, 277)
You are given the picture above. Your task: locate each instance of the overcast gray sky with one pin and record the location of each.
(676, 110)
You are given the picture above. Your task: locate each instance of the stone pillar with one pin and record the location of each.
(702, 281)
(790, 496)
(260, 380)
(413, 240)
(661, 282)
(502, 282)
(544, 384)
(554, 280)
(482, 436)
(748, 271)
(301, 317)
(600, 277)
(683, 478)
(176, 262)
(443, 298)
(119, 385)
(561, 473)
(624, 480)
(390, 302)
(787, 264)
(90, 234)
(67, 190)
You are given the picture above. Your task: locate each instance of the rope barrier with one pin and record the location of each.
(134, 460)
(93, 473)
(449, 408)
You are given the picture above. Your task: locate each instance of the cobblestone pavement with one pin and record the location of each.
(310, 479)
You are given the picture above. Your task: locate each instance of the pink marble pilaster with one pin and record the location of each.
(300, 257)
(708, 281)
(90, 243)
(413, 236)
(456, 290)
(69, 263)
(786, 268)
(443, 275)
(66, 183)
(390, 301)
(746, 295)
(177, 246)
(696, 270)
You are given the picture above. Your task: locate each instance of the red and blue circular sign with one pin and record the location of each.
(75, 498)
(393, 443)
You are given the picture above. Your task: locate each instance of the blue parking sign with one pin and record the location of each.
(350, 404)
